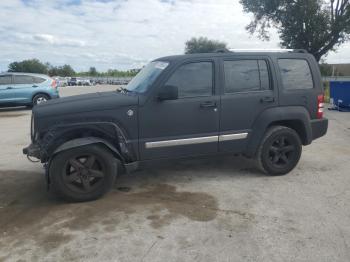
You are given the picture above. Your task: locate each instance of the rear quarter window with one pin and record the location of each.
(38, 80)
(296, 74)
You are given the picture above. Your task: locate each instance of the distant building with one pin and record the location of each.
(340, 69)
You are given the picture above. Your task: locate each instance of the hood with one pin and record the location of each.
(85, 103)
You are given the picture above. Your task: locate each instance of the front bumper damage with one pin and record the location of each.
(33, 150)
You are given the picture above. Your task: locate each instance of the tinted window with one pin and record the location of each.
(264, 75)
(295, 73)
(5, 80)
(194, 79)
(241, 75)
(23, 79)
(38, 80)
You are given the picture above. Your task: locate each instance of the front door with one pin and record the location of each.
(186, 126)
(247, 91)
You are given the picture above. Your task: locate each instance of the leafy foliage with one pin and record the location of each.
(28, 66)
(110, 73)
(203, 45)
(35, 66)
(65, 70)
(315, 25)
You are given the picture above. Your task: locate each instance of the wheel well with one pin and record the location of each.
(64, 137)
(296, 125)
(41, 93)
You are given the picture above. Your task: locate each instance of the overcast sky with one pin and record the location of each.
(121, 34)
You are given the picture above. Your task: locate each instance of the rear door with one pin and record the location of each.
(187, 126)
(247, 90)
(23, 88)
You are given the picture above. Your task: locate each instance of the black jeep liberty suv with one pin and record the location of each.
(264, 105)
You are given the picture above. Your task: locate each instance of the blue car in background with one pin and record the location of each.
(26, 89)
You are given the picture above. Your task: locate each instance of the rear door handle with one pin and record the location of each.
(208, 104)
(9, 87)
(34, 86)
(267, 99)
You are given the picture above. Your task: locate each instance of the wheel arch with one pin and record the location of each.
(295, 117)
(64, 137)
(40, 93)
(84, 141)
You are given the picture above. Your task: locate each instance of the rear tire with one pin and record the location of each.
(83, 174)
(279, 151)
(40, 98)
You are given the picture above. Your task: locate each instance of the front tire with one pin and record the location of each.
(83, 174)
(279, 151)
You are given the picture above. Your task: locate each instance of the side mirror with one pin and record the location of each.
(168, 93)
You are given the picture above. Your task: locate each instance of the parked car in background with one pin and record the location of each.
(26, 89)
(72, 81)
(84, 82)
(75, 81)
(61, 81)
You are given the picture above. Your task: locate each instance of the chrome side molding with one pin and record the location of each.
(195, 140)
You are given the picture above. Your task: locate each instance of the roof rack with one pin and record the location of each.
(270, 50)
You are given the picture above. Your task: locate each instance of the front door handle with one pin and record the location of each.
(34, 86)
(9, 87)
(208, 104)
(267, 99)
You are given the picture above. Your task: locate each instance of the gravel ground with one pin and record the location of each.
(220, 209)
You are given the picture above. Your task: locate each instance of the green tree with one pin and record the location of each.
(28, 66)
(65, 70)
(326, 69)
(315, 25)
(93, 71)
(203, 45)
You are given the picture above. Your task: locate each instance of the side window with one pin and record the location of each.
(193, 79)
(5, 80)
(241, 75)
(38, 80)
(22, 79)
(296, 74)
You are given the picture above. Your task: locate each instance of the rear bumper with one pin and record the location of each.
(319, 127)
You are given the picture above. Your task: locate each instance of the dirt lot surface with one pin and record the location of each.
(220, 209)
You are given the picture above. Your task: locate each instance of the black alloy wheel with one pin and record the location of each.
(83, 173)
(279, 151)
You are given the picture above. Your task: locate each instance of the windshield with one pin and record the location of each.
(146, 77)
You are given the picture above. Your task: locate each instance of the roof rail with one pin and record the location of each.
(270, 50)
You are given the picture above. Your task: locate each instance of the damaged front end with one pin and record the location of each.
(33, 150)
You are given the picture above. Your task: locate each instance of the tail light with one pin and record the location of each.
(320, 106)
(54, 83)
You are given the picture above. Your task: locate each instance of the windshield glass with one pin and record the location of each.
(146, 77)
